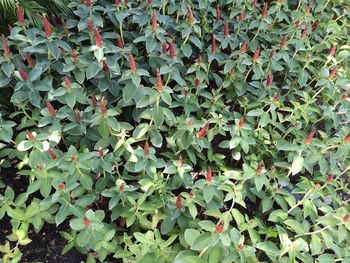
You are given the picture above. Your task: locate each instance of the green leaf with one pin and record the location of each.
(158, 115)
(190, 236)
(297, 165)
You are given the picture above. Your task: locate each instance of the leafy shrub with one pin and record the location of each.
(182, 131)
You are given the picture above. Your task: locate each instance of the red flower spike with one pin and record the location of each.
(116, 3)
(154, 21)
(88, 2)
(178, 201)
(241, 122)
(243, 48)
(105, 66)
(61, 186)
(297, 23)
(51, 109)
(275, 99)
(87, 222)
(103, 108)
(264, 12)
(268, 80)
(74, 56)
(146, 149)
(121, 187)
(93, 101)
(259, 168)
(226, 29)
(149, 1)
(126, 2)
(179, 163)
(100, 152)
(220, 227)
(30, 136)
(90, 25)
(209, 176)
(120, 42)
(213, 45)
(332, 51)
(54, 21)
(63, 24)
(52, 154)
(347, 139)
(241, 17)
(98, 38)
(20, 14)
(308, 8)
(309, 137)
(132, 63)
(218, 13)
(23, 75)
(164, 47)
(198, 83)
(74, 159)
(256, 55)
(67, 82)
(47, 27)
(190, 15)
(304, 33)
(283, 42)
(159, 82)
(78, 116)
(6, 48)
(345, 218)
(272, 54)
(171, 49)
(254, 3)
(202, 131)
(240, 246)
(329, 178)
(315, 26)
(200, 60)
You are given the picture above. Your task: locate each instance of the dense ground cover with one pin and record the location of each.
(170, 131)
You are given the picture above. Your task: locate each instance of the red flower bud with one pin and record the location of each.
(178, 201)
(52, 154)
(256, 55)
(220, 227)
(74, 56)
(203, 130)
(332, 51)
(126, 2)
(120, 42)
(78, 116)
(329, 178)
(105, 66)
(226, 29)
(254, 3)
(275, 99)
(103, 108)
(6, 48)
(283, 42)
(146, 149)
(100, 152)
(243, 48)
(241, 17)
(67, 82)
(30, 136)
(259, 168)
(47, 27)
(268, 80)
(51, 109)
(179, 162)
(132, 63)
(200, 60)
(54, 21)
(218, 13)
(297, 23)
(347, 139)
(308, 8)
(333, 73)
(213, 45)
(345, 218)
(159, 82)
(23, 75)
(171, 49)
(164, 47)
(98, 38)
(264, 12)
(154, 21)
(190, 16)
(90, 25)
(63, 24)
(241, 122)
(20, 14)
(116, 3)
(74, 159)
(315, 27)
(240, 246)
(304, 33)
(88, 2)
(87, 222)
(198, 82)
(272, 54)
(309, 137)
(93, 100)
(72, 199)
(121, 187)
(185, 93)
(149, 1)
(61, 186)
(209, 176)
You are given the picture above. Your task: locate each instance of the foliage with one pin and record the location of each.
(182, 132)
